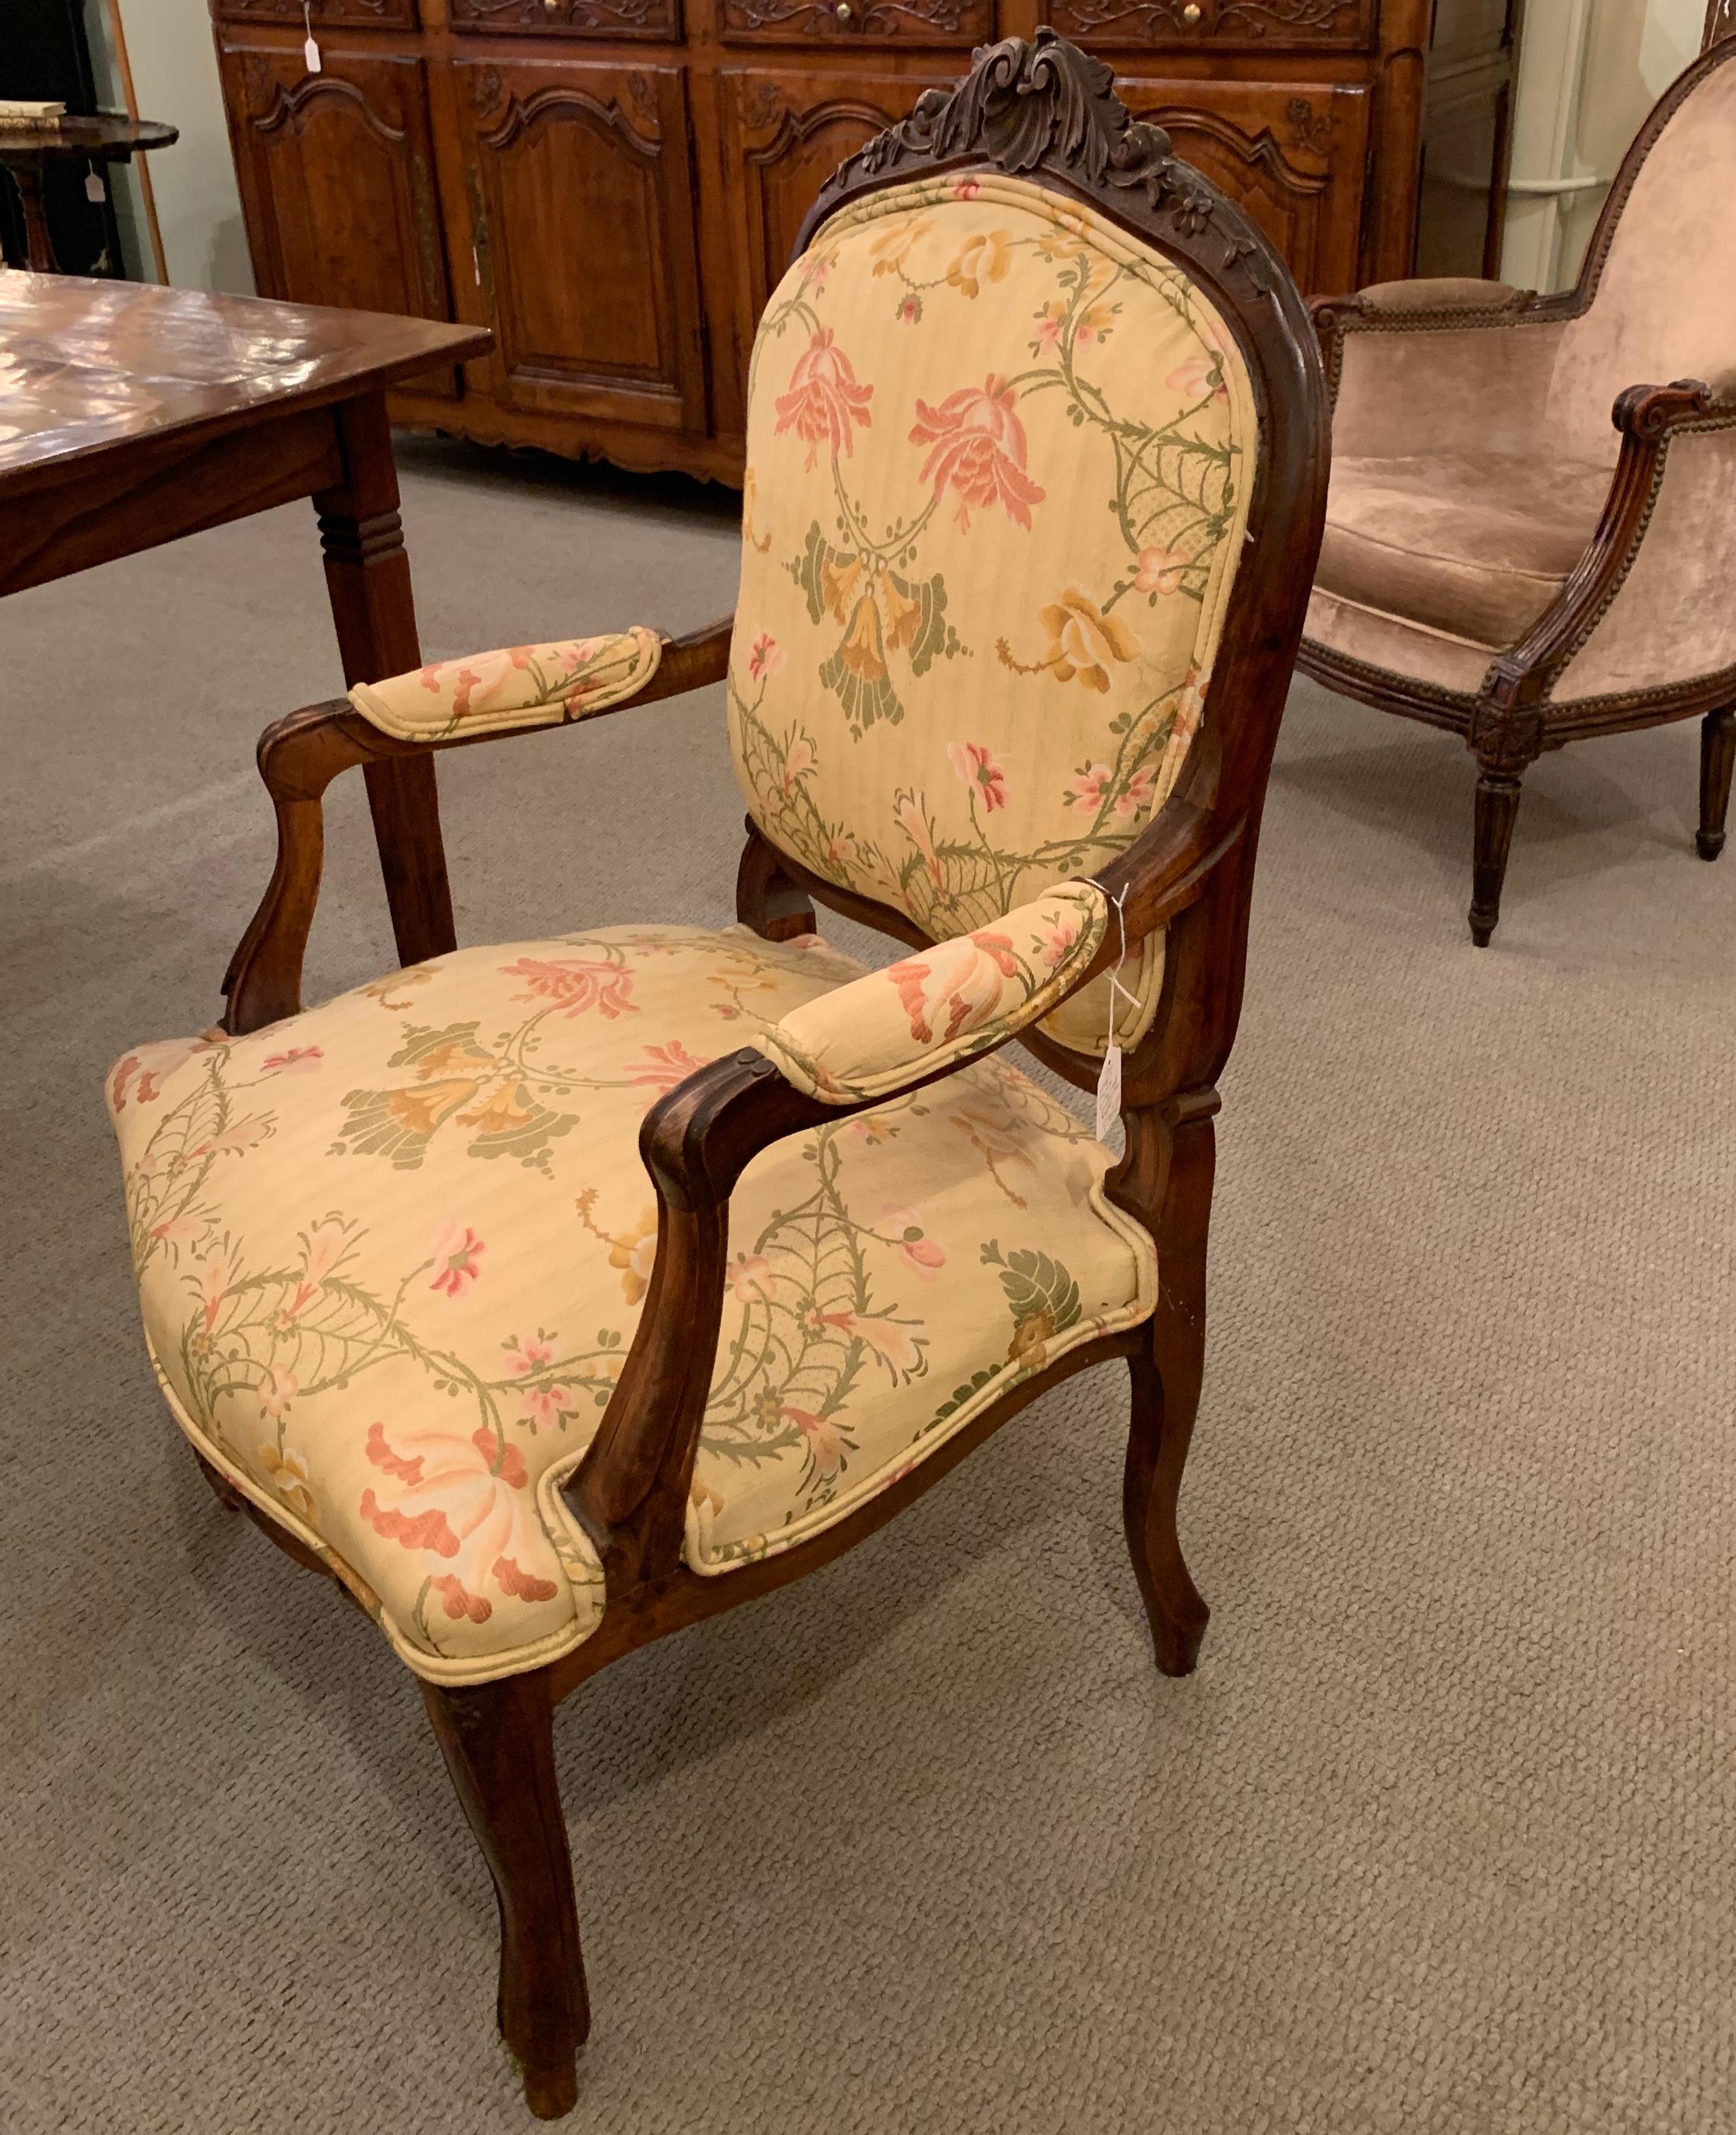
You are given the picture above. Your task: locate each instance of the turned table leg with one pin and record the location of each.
(39, 253)
(368, 579)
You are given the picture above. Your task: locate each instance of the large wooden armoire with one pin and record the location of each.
(614, 185)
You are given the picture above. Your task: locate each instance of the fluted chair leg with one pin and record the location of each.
(1717, 760)
(1498, 803)
(498, 1741)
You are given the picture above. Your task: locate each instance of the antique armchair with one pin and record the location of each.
(1038, 441)
(1498, 560)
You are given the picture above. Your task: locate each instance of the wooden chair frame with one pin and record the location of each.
(1044, 110)
(1510, 722)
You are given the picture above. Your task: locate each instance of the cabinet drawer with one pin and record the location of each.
(1291, 154)
(322, 14)
(846, 22)
(658, 20)
(1218, 26)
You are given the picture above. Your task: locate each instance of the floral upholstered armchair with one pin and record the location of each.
(551, 1297)
(1529, 534)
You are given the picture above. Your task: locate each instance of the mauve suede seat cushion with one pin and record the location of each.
(1477, 545)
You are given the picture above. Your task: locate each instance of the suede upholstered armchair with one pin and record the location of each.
(551, 1297)
(1497, 559)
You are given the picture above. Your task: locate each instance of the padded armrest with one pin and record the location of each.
(1441, 293)
(881, 1034)
(520, 685)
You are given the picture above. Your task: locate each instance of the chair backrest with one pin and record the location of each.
(1657, 296)
(1013, 413)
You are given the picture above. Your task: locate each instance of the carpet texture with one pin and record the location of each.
(1438, 1839)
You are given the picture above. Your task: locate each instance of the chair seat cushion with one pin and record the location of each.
(391, 1253)
(1474, 546)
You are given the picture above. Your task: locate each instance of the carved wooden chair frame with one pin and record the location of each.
(1510, 721)
(1045, 111)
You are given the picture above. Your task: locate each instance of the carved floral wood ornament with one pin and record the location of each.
(553, 1296)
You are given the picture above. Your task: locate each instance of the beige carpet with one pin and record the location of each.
(1439, 1836)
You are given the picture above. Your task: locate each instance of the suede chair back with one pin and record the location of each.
(1663, 266)
(1000, 456)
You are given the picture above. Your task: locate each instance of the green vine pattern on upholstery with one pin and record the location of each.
(392, 1253)
(999, 457)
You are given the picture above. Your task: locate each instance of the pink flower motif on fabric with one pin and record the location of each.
(824, 398)
(465, 1500)
(574, 984)
(954, 987)
(766, 657)
(750, 1279)
(978, 450)
(978, 770)
(457, 1251)
(1201, 377)
(298, 1060)
(1160, 570)
(661, 1067)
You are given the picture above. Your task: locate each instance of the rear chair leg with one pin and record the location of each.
(1717, 760)
(1166, 1396)
(498, 1741)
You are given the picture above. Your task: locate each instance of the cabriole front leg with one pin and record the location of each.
(498, 1741)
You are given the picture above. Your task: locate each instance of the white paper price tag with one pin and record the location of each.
(1109, 1092)
(95, 188)
(311, 53)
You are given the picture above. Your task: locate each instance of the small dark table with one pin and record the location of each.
(25, 150)
(131, 415)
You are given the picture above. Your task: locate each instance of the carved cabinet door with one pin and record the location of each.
(785, 131)
(337, 177)
(1293, 156)
(582, 219)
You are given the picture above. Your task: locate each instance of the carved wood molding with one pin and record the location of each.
(1048, 105)
(1146, 23)
(959, 19)
(1309, 129)
(289, 107)
(522, 112)
(602, 18)
(394, 13)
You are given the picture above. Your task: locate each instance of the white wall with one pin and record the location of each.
(1589, 71)
(175, 77)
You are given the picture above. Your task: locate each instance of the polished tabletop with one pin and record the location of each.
(87, 366)
(106, 138)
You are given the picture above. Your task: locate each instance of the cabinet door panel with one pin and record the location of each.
(785, 132)
(336, 179)
(1291, 155)
(583, 219)
(1218, 26)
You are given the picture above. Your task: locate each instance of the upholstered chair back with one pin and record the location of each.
(1664, 258)
(999, 461)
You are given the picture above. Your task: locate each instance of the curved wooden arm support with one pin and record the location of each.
(1507, 730)
(300, 755)
(631, 1491)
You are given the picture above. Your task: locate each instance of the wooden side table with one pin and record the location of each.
(131, 415)
(27, 151)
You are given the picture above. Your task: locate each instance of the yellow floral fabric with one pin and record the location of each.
(949, 1003)
(391, 1252)
(519, 686)
(1000, 456)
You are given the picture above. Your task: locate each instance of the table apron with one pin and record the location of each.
(145, 493)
